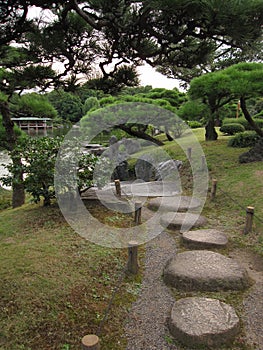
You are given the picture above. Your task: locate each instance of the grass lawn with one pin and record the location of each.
(55, 286)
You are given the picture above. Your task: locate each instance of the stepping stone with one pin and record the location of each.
(204, 270)
(203, 322)
(178, 203)
(151, 189)
(184, 221)
(204, 239)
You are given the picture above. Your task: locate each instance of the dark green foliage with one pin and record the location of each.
(3, 137)
(232, 129)
(69, 106)
(244, 139)
(194, 124)
(32, 105)
(243, 122)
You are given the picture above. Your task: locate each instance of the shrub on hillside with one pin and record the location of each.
(194, 124)
(241, 120)
(244, 139)
(244, 122)
(232, 129)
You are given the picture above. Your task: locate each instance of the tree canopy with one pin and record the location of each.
(238, 82)
(181, 37)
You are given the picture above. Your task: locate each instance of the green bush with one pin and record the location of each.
(232, 129)
(241, 120)
(259, 122)
(244, 122)
(244, 139)
(194, 124)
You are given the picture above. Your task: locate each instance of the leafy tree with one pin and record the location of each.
(193, 110)
(90, 103)
(32, 105)
(238, 82)
(39, 158)
(182, 38)
(246, 82)
(126, 112)
(67, 105)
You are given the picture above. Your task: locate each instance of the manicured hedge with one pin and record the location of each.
(244, 139)
(232, 129)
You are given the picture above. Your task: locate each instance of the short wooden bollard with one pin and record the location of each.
(249, 219)
(133, 266)
(213, 190)
(138, 213)
(118, 187)
(90, 342)
(189, 153)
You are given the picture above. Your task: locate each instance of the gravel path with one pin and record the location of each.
(146, 329)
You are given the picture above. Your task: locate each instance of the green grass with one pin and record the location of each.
(55, 286)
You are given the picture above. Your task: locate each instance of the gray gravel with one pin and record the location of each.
(147, 326)
(253, 316)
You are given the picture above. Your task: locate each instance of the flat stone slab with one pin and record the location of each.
(203, 322)
(184, 221)
(204, 239)
(178, 203)
(204, 270)
(150, 189)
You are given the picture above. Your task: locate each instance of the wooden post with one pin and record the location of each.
(213, 190)
(249, 219)
(189, 153)
(138, 213)
(118, 188)
(133, 266)
(90, 342)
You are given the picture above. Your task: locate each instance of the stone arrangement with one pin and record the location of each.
(199, 321)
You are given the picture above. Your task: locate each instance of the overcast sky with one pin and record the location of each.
(148, 76)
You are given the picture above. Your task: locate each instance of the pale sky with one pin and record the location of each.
(148, 76)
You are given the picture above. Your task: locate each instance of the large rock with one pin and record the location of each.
(204, 270)
(174, 204)
(144, 168)
(204, 239)
(147, 168)
(203, 322)
(168, 170)
(182, 221)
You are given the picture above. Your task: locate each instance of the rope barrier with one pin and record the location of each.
(238, 204)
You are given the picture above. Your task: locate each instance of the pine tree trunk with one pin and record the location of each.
(18, 196)
(210, 134)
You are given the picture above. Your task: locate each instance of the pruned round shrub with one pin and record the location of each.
(240, 120)
(194, 124)
(244, 122)
(244, 139)
(232, 129)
